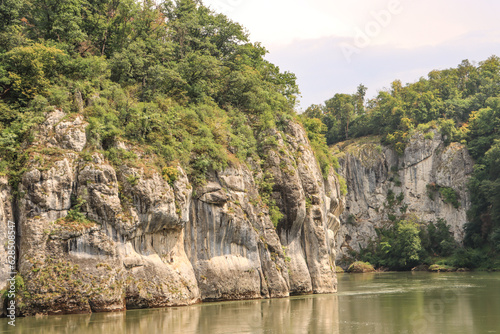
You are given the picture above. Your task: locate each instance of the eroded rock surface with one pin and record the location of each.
(7, 233)
(372, 171)
(100, 237)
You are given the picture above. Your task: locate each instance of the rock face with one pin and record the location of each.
(375, 173)
(6, 226)
(95, 236)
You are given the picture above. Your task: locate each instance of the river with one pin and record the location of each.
(406, 302)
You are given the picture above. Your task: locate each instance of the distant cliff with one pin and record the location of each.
(429, 180)
(94, 236)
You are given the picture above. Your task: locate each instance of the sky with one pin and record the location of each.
(333, 46)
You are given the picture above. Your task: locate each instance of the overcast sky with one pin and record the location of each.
(333, 46)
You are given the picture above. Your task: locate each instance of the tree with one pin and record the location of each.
(407, 245)
(341, 108)
(30, 70)
(314, 111)
(59, 20)
(10, 13)
(359, 99)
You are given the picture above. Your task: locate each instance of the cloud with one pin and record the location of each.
(304, 37)
(322, 70)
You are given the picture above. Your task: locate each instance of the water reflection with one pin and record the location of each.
(367, 303)
(307, 314)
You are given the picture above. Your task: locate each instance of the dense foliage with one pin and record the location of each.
(174, 78)
(406, 243)
(463, 103)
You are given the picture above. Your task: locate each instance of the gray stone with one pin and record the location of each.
(371, 170)
(147, 243)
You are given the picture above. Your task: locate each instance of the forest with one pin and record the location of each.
(182, 81)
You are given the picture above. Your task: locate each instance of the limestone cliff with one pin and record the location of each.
(373, 172)
(101, 236)
(6, 217)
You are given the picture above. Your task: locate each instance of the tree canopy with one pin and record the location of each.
(180, 80)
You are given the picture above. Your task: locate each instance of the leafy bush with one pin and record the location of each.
(360, 267)
(437, 239)
(468, 258)
(398, 140)
(170, 174)
(449, 195)
(398, 246)
(31, 69)
(75, 214)
(406, 244)
(342, 183)
(266, 184)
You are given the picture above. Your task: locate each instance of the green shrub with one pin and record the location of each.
(449, 130)
(429, 135)
(170, 174)
(397, 140)
(266, 185)
(390, 198)
(407, 244)
(86, 156)
(316, 130)
(133, 179)
(275, 214)
(449, 195)
(342, 183)
(119, 156)
(75, 220)
(468, 258)
(360, 267)
(425, 127)
(437, 239)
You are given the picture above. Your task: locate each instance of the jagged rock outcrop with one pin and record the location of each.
(372, 171)
(310, 205)
(96, 236)
(7, 229)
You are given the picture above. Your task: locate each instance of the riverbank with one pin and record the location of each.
(440, 265)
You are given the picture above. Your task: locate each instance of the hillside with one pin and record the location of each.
(460, 106)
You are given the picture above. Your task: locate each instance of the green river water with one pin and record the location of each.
(407, 302)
